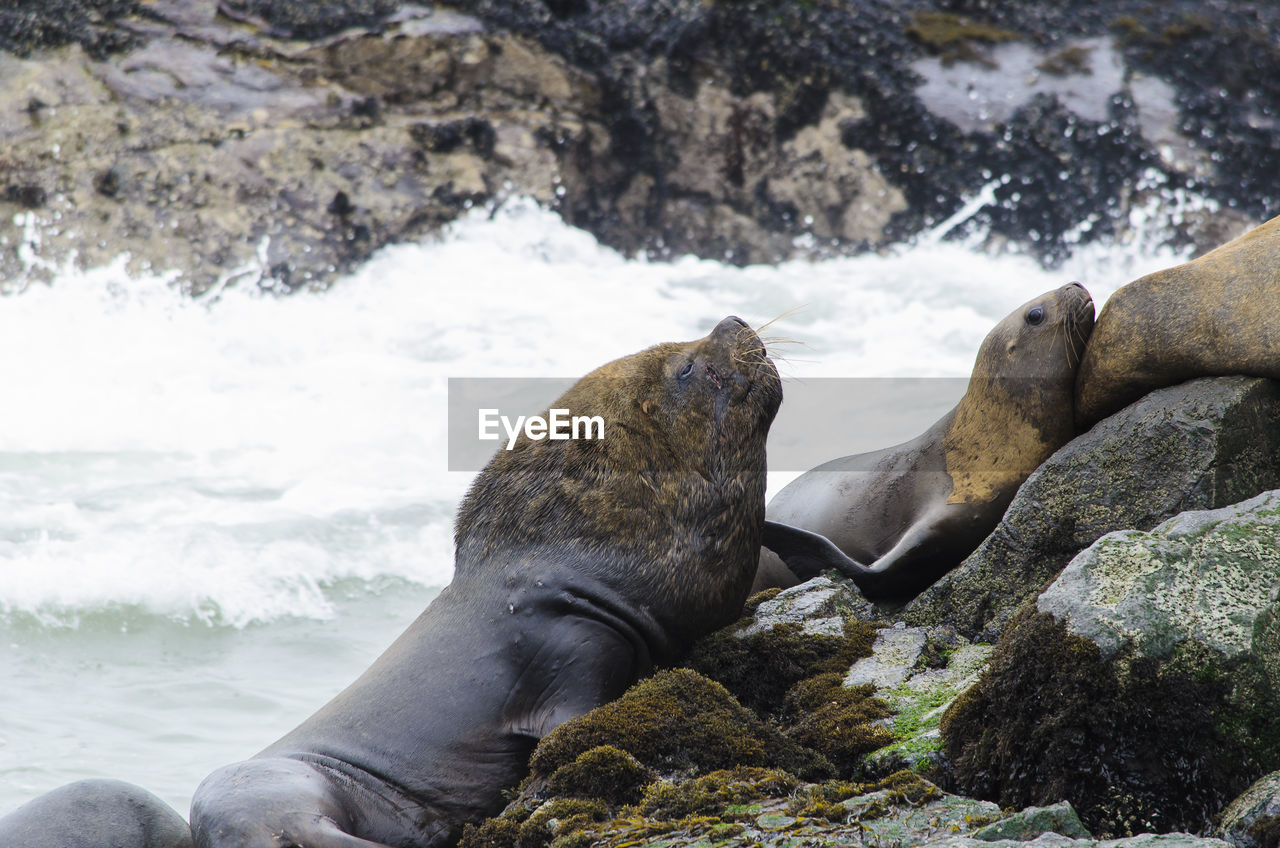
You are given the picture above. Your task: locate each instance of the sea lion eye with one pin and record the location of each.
(1035, 315)
(686, 370)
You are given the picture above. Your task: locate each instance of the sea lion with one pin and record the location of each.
(95, 814)
(895, 520)
(1213, 316)
(579, 566)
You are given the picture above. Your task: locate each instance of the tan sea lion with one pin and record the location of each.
(579, 566)
(895, 520)
(1214, 316)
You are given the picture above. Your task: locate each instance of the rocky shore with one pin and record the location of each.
(281, 142)
(1122, 694)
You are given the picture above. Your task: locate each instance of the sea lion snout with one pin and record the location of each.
(1078, 317)
(736, 357)
(735, 332)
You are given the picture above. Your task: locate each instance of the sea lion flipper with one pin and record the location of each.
(809, 554)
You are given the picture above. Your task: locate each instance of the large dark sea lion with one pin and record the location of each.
(95, 814)
(895, 520)
(580, 565)
(1214, 316)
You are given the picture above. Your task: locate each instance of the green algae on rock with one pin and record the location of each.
(788, 660)
(1143, 687)
(917, 673)
(1209, 577)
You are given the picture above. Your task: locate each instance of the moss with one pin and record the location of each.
(753, 603)
(935, 654)
(761, 668)
(832, 790)
(1135, 744)
(953, 36)
(906, 785)
(577, 839)
(1067, 61)
(559, 818)
(677, 721)
(499, 832)
(1188, 27)
(523, 828)
(823, 810)
(716, 792)
(943, 29)
(603, 772)
(1129, 29)
(836, 720)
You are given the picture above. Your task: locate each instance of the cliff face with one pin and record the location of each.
(284, 141)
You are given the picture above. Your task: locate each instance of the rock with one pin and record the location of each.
(309, 18)
(952, 98)
(26, 25)
(1143, 685)
(1253, 819)
(754, 807)
(819, 606)
(226, 155)
(1034, 822)
(1204, 444)
(211, 138)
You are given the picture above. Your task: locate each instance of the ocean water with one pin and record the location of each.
(215, 512)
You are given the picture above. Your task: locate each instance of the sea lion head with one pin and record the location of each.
(1043, 339)
(669, 505)
(1019, 407)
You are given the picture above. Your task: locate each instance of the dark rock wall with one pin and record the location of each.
(188, 131)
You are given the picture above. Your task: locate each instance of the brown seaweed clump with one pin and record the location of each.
(760, 669)
(677, 721)
(1135, 744)
(837, 720)
(605, 773)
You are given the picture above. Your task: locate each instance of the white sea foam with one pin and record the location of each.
(229, 459)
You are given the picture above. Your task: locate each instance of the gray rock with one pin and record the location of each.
(1200, 445)
(903, 815)
(1052, 840)
(283, 169)
(819, 606)
(1034, 822)
(1253, 819)
(1207, 577)
(1142, 684)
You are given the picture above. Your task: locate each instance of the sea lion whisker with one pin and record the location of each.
(779, 317)
(784, 340)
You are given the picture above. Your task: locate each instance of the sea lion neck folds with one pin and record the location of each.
(579, 566)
